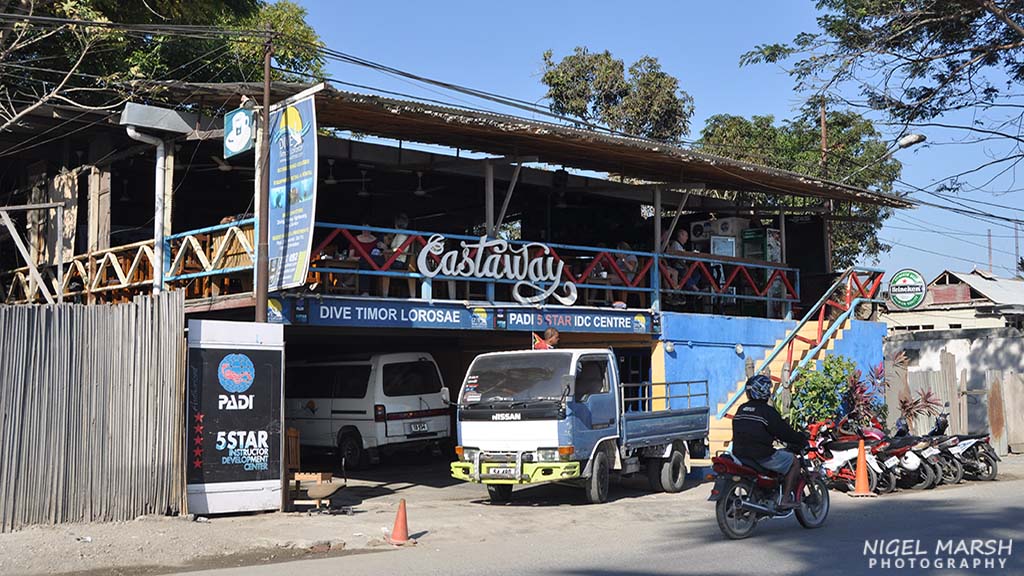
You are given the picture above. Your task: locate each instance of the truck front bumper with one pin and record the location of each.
(528, 472)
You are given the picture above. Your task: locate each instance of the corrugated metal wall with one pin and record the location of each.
(91, 411)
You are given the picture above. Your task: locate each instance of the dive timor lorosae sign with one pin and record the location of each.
(536, 270)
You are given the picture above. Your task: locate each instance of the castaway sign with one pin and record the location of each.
(533, 266)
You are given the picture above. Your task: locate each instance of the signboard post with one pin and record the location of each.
(233, 434)
(907, 289)
(292, 202)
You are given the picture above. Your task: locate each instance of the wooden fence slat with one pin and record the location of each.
(91, 404)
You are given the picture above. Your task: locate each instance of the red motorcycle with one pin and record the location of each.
(746, 493)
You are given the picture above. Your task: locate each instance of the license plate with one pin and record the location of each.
(507, 471)
(929, 452)
(891, 462)
(418, 427)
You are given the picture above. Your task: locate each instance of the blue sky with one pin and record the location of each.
(497, 47)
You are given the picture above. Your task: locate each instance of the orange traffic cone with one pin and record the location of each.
(862, 487)
(400, 533)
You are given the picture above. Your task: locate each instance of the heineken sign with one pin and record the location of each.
(907, 289)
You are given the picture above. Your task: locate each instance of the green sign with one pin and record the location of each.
(907, 289)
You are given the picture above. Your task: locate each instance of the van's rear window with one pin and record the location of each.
(411, 379)
(327, 381)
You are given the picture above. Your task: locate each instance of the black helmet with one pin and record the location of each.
(759, 387)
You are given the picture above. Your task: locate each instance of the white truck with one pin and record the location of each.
(537, 416)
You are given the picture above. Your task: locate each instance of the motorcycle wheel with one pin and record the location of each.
(815, 504)
(851, 485)
(954, 470)
(988, 468)
(925, 477)
(733, 521)
(886, 482)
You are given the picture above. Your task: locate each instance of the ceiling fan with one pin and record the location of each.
(420, 192)
(219, 165)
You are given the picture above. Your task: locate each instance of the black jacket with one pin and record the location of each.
(754, 427)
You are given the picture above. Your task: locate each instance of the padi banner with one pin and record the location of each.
(233, 444)
(292, 208)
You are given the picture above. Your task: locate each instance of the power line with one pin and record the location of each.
(975, 262)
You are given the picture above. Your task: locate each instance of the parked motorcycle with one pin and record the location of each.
(974, 452)
(928, 472)
(746, 493)
(840, 467)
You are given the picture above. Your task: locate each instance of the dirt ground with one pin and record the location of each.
(442, 513)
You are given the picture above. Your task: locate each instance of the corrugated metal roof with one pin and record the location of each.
(501, 134)
(1001, 291)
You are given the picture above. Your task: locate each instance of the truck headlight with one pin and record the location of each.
(469, 454)
(547, 455)
(560, 454)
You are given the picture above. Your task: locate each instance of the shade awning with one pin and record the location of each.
(551, 143)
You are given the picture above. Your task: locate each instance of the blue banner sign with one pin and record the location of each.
(364, 313)
(292, 207)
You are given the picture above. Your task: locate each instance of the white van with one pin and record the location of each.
(362, 406)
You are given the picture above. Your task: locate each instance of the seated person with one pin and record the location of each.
(678, 247)
(754, 428)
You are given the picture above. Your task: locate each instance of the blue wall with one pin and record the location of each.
(705, 347)
(862, 343)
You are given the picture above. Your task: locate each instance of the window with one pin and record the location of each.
(591, 378)
(306, 382)
(955, 326)
(327, 381)
(518, 377)
(411, 379)
(351, 381)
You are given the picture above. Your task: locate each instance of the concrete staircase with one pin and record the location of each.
(720, 435)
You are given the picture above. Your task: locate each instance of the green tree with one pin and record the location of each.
(96, 66)
(595, 87)
(856, 152)
(918, 61)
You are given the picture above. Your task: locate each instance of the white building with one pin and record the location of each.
(961, 300)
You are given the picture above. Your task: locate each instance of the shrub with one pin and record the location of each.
(818, 394)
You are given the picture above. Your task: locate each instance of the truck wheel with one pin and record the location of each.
(597, 484)
(499, 493)
(653, 466)
(673, 472)
(350, 451)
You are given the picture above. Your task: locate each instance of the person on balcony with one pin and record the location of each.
(402, 261)
(679, 247)
(372, 247)
(628, 264)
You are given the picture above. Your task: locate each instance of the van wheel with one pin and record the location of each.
(499, 493)
(350, 452)
(597, 485)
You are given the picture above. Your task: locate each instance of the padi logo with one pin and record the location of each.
(235, 401)
(507, 416)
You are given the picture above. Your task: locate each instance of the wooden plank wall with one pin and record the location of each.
(91, 411)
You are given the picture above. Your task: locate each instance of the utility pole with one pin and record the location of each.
(262, 245)
(989, 250)
(824, 175)
(1016, 249)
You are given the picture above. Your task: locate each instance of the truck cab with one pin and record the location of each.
(528, 417)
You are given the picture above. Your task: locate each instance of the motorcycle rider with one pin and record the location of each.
(756, 425)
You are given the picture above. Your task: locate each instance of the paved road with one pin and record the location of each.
(547, 531)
